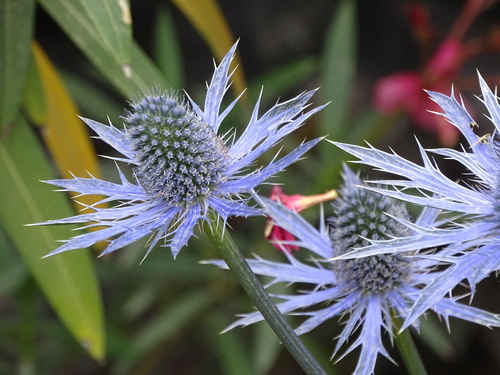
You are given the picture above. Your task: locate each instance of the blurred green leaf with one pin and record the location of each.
(166, 50)
(113, 23)
(323, 353)
(266, 348)
(71, 17)
(16, 28)
(34, 104)
(339, 66)
(436, 339)
(337, 80)
(285, 78)
(163, 327)
(27, 298)
(207, 17)
(12, 270)
(370, 125)
(92, 99)
(234, 355)
(67, 280)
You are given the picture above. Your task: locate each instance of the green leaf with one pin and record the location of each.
(233, 352)
(285, 78)
(113, 24)
(27, 325)
(90, 97)
(13, 271)
(436, 339)
(34, 103)
(16, 28)
(337, 80)
(339, 66)
(266, 348)
(165, 325)
(67, 280)
(72, 18)
(166, 50)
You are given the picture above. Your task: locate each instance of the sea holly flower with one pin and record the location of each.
(367, 292)
(182, 166)
(279, 237)
(472, 244)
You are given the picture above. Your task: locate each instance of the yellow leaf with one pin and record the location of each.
(67, 280)
(207, 17)
(65, 135)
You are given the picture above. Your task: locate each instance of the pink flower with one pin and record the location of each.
(279, 237)
(404, 91)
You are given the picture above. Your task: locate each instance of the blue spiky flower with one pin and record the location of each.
(182, 166)
(473, 240)
(368, 292)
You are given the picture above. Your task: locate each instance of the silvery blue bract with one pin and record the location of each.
(471, 240)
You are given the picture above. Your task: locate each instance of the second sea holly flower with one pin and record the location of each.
(182, 166)
(367, 292)
(472, 243)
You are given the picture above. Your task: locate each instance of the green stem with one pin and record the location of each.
(254, 289)
(408, 350)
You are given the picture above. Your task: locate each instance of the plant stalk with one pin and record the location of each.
(256, 292)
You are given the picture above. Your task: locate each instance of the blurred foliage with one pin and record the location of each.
(163, 316)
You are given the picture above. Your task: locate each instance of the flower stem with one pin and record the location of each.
(254, 289)
(408, 350)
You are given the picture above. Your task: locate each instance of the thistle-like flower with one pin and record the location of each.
(182, 167)
(472, 243)
(370, 291)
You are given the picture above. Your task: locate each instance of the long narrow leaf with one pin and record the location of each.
(33, 100)
(143, 74)
(16, 28)
(266, 349)
(13, 271)
(67, 280)
(285, 78)
(167, 323)
(113, 23)
(166, 50)
(233, 352)
(339, 64)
